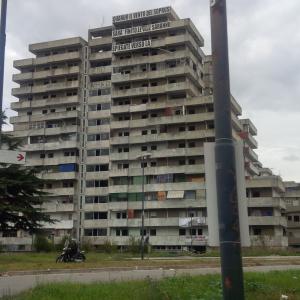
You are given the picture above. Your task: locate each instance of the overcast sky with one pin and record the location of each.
(264, 45)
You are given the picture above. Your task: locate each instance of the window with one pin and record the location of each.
(52, 110)
(126, 133)
(191, 111)
(289, 218)
(121, 232)
(192, 144)
(153, 163)
(153, 232)
(44, 111)
(296, 218)
(153, 131)
(96, 215)
(143, 165)
(95, 232)
(257, 231)
(144, 148)
(181, 145)
(192, 161)
(29, 113)
(42, 155)
(121, 215)
(191, 127)
(153, 115)
(50, 155)
(96, 199)
(144, 100)
(181, 162)
(154, 99)
(144, 116)
(144, 132)
(153, 147)
(181, 128)
(181, 231)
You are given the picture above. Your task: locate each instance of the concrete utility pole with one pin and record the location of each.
(230, 245)
(2, 56)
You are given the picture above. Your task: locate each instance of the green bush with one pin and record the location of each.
(134, 245)
(86, 246)
(61, 244)
(42, 244)
(108, 247)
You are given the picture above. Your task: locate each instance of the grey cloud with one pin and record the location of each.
(291, 158)
(264, 42)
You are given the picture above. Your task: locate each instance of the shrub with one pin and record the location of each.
(61, 244)
(86, 245)
(42, 244)
(108, 247)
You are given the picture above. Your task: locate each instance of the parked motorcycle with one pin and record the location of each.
(71, 253)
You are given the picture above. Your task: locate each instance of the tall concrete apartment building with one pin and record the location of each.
(134, 99)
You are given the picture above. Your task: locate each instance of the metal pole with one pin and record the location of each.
(143, 209)
(230, 246)
(2, 57)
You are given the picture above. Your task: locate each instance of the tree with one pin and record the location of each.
(20, 195)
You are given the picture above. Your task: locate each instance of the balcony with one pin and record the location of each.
(50, 146)
(100, 84)
(100, 70)
(44, 102)
(60, 207)
(23, 63)
(267, 202)
(21, 91)
(266, 182)
(97, 175)
(45, 74)
(92, 191)
(100, 41)
(267, 221)
(100, 55)
(162, 137)
(61, 224)
(250, 154)
(60, 192)
(58, 176)
(174, 119)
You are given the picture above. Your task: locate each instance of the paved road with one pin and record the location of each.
(11, 285)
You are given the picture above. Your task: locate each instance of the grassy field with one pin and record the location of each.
(266, 286)
(45, 261)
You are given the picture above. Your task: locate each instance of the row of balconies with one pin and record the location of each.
(100, 56)
(267, 221)
(30, 62)
(176, 24)
(186, 169)
(165, 72)
(171, 204)
(107, 40)
(68, 191)
(45, 117)
(267, 202)
(44, 102)
(149, 222)
(154, 187)
(197, 151)
(120, 109)
(175, 119)
(59, 176)
(100, 84)
(46, 131)
(50, 146)
(45, 88)
(165, 240)
(266, 182)
(162, 137)
(57, 207)
(162, 89)
(29, 76)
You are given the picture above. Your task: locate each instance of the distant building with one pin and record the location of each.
(87, 111)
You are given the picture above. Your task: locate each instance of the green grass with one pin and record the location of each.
(266, 286)
(44, 261)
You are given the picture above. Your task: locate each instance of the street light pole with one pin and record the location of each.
(2, 58)
(230, 245)
(143, 209)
